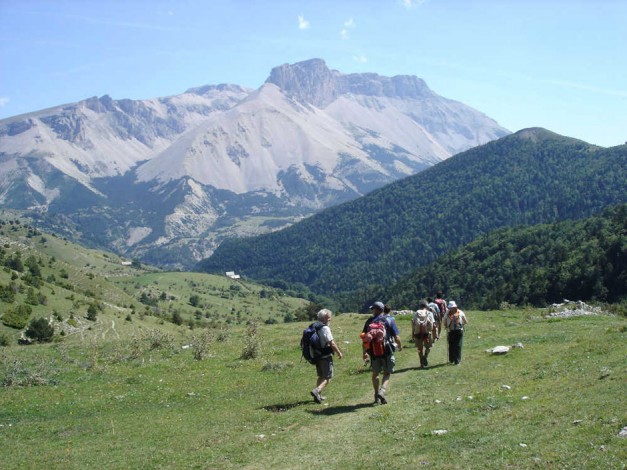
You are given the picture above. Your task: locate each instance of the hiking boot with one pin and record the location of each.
(377, 401)
(316, 395)
(381, 396)
(426, 362)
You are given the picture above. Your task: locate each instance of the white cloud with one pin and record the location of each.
(302, 22)
(4, 100)
(362, 59)
(348, 24)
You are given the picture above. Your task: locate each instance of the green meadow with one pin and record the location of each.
(237, 396)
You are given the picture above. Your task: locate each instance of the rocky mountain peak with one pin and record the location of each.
(310, 81)
(313, 82)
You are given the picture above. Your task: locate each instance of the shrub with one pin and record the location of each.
(40, 330)
(200, 344)
(92, 312)
(252, 345)
(18, 316)
(158, 339)
(4, 340)
(177, 319)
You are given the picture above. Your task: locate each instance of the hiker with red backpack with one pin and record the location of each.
(454, 324)
(424, 330)
(323, 358)
(442, 309)
(378, 337)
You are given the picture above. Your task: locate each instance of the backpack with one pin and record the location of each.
(456, 322)
(376, 337)
(441, 303)
(422, 324)
(310, 343)
(437, 316)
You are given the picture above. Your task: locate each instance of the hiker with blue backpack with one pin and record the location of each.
(318, 348)
(378, 337)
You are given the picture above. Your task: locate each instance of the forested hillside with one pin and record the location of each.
(528, 178)
(539, 265)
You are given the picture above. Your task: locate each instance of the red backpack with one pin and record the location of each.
(441, 303)
(375, 336)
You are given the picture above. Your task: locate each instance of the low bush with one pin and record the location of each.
(40, 330)
(17, 317)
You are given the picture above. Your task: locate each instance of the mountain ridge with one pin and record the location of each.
(225, 150)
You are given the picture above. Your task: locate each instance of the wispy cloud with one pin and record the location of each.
(100, 20)
(4, 100)
(556, 82)
(302, 22)
(348, 25)
(409, 4)
(584, 87)
(362, 59)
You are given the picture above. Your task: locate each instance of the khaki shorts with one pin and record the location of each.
(324, 367)
(383, 364)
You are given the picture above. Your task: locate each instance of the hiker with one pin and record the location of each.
(441, 304)
(437, 317)
(454, 324)
(324, 363)
(424, 330)
(387, 313)
(378, 335)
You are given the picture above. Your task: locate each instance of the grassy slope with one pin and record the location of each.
(96, 276)
(163, 409)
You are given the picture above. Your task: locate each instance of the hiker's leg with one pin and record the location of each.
(460, 342)
(375, 381)
(322, 382)
(420, 343)
(451, 347)
(325, 373)
(385, 381)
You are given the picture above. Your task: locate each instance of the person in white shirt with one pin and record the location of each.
(454, 323)
(324, 364)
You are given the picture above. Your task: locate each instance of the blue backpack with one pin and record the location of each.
(310, 343)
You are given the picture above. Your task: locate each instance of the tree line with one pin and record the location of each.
(528, 178)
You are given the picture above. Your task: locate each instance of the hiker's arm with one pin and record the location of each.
(397, 338)
(335, 349)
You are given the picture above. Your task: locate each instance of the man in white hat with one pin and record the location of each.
(454, 323)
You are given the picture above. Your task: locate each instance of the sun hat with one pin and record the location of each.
(452, 304)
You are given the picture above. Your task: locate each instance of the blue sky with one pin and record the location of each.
(551, 63)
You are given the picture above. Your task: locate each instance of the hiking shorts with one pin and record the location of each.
(324, 367)
(383, 364)
(422, 342)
